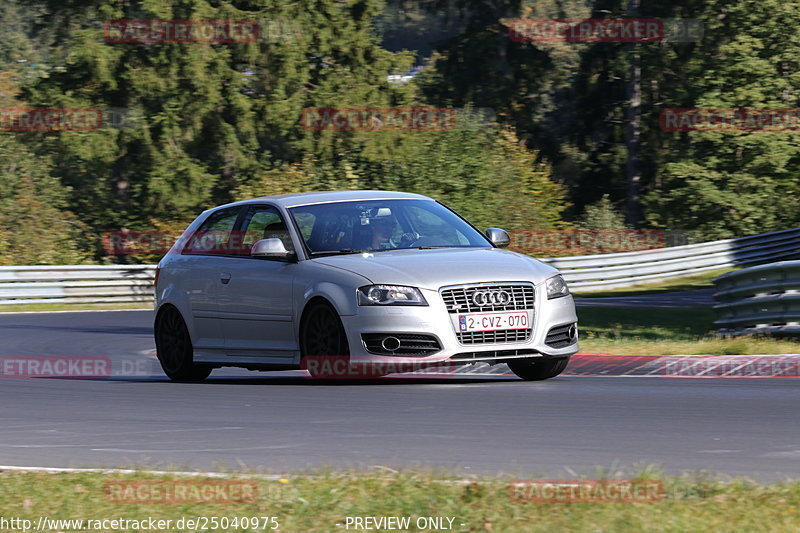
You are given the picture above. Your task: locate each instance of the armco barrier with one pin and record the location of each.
(76, 284)
(760, 299)
(610, 271)
(133, 283)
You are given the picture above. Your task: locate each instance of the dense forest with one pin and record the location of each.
(547, 136)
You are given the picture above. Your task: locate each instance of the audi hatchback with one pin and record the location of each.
(382, 279)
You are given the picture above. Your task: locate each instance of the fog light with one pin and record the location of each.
(390, 344)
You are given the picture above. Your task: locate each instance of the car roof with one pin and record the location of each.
(310, 198)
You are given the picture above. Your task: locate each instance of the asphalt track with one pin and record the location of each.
(282, 421)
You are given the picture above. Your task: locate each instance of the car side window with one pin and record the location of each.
(213, 235)
(305, 221)
(263, 222)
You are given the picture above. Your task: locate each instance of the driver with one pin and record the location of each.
(382, 230)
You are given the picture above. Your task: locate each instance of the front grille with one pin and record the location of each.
(459, 300)
(492, 355)
(561, 336)
(488, 337)
(410, 344)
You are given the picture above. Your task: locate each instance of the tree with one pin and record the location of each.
(208, 119)
(601, 215)
(728, 183)
(485, 173)
(36, 227)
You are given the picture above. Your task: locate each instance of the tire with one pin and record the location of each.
(174, 348)
(537, 369)
(322, 340)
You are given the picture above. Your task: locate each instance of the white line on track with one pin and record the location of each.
(59, 470)
(68, 311)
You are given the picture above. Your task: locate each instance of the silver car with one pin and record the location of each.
(382, 280)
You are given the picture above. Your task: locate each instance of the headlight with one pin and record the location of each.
(556, 287)
(390, 295)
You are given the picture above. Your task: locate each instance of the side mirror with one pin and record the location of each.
(499, 237)
(271, 249)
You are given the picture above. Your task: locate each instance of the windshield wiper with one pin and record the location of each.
(343, 251)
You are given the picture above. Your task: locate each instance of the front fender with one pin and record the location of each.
(336, 285)
(343, 299)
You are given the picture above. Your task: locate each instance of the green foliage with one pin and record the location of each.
(210, 117)
(533, 87)
(209, 123)
(601, 215)
(295, 177)
(482, 172)
(22, 54)
(568, 101)
(729, 184)
(35, 225)
(315, 500)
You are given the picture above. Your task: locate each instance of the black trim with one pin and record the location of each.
(559, 336)
(411, 344)
(492, 355)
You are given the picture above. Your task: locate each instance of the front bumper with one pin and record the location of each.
(434, 320)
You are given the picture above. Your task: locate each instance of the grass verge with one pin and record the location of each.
(318, 503)
(702, 281)
(645, 331)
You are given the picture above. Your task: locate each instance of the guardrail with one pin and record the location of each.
(76, 284)
(611, 271)
(761, 299)
(133, 283)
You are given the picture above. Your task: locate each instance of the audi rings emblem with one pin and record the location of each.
(484, 298)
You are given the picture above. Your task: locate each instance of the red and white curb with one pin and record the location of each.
(686, 366)
(669, 366)
(145, 365)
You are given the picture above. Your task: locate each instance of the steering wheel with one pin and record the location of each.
(408, 240)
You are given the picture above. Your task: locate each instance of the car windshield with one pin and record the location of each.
(381, 225)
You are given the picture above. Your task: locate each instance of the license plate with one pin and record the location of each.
(493, 321)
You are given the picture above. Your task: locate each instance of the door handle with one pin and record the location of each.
(224, 278)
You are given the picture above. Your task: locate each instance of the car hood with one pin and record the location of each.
(432, 269)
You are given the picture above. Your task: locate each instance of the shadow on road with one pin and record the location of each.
(295, 380)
